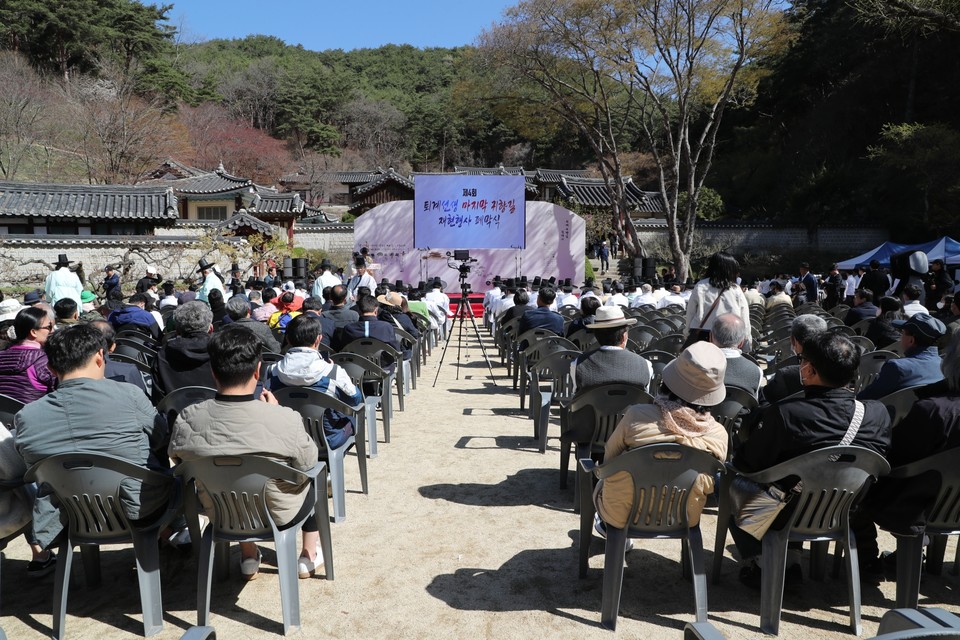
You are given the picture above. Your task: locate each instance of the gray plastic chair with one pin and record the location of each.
(899, 403)
(902, 623)
(663, 477)
(671, 343)
(176, 401)
(519, 345)
(531, 355)
(585, 340)
(9, 407)
(8, 486)
(199, 633)
(362, 370)
(87, 486)
(236, 485)
(312, 404)
(555, 370)
(371, 348)
(591, 416)
(728, 412)
(832, 479)
(944, 520)
(870, 365)
(658, 360)
(413, 364)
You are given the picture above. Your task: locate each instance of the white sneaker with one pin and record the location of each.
(601, 528)
(306, 567)
(250, 568)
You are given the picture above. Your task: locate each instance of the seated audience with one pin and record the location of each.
(135, 316)
(238, 310)
(313, 305)
(673, 297)
(288, 308)
(881, 331)
(520, 301)
(394, 309)
(611, 362)
(234, 423)
(911, 301)
(920, 364)
(113, 370)
(268, 308)
(67, 312)
(862, 309)
(303, 366)
(729, 334)
(184, 361)
(787, 381)
(588, 311)
(24, 375)
(777, 296)
(368, 326)
(338, 311)
(819, 419)
(541, 317)
(680, 414)
(89, 413)
(932, 426)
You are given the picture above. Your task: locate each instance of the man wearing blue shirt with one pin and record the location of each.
(920, 364)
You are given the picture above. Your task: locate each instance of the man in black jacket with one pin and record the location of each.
(368, 326)
(862, 309)
(819, 419)
(875, 280)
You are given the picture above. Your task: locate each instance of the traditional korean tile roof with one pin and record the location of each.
(214, 182)
(319, 215)
(491, 171)
(592, 192)
(554, 176)
(388, 176)
(277, 203)
(173, 170)
(23, 199)
(243, 219)
(356, 177)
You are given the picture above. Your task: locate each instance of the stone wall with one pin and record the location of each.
(25, 261)
(332, 238)
(843, 242)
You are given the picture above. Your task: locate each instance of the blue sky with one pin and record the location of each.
(335, 24)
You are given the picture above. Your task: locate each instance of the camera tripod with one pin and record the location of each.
(464, 311)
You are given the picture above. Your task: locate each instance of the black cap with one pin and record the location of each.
(922, 325)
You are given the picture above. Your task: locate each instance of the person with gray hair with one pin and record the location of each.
(786, 381)
(184, 361)
(932, 426)
(646, 297)
(730, 333)
(238, 310)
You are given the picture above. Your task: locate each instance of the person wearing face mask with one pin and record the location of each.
(827, 414)
(786, 381)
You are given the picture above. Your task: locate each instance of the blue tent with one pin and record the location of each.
(945, 248)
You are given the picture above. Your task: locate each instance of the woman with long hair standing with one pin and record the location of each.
(718, 293)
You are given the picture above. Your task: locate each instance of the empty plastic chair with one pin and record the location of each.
(9, 407)
(554, 370)
(368, 375)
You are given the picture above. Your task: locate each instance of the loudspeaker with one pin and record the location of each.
(300, 268)
(288, 268)
(649, 269)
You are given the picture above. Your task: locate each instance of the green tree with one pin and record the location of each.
(670, 68)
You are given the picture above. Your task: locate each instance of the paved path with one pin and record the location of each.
(465, 534)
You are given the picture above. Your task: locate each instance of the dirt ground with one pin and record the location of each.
(465, 533)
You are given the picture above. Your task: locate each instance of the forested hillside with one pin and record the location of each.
(855, 118)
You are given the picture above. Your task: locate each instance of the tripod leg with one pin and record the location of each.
(483, 349)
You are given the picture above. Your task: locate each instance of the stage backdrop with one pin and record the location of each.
(555, 245)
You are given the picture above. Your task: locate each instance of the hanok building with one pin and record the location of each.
(592, 193)
(85, 210)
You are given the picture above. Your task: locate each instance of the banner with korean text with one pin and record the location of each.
(469, 212)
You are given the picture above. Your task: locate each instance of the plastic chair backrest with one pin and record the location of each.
(141, 366)
(358, 367)
(662, 326)
(832, 478)
(663, 476)
(866, 344)
(569, 311)
(556, 367)
(861, 327)
(176, 401)
(899, 403)
(371, 348)
(671, 343)
(736, 400)
(9, 407)
(546, 346)
(594, 412)
(585, 340)
(311, 404)
(945, 513)
(87, 486)
(236, 487)
(643, 332)
(533, 335)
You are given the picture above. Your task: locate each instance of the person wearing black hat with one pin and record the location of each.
(566, 295)
(111, 281)
(63, 283)
(361, 279)
(235, 275)
(210, 281)
(938, 283)
(920, 364)
(325, 279)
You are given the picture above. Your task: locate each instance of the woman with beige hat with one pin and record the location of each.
(679, 414)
